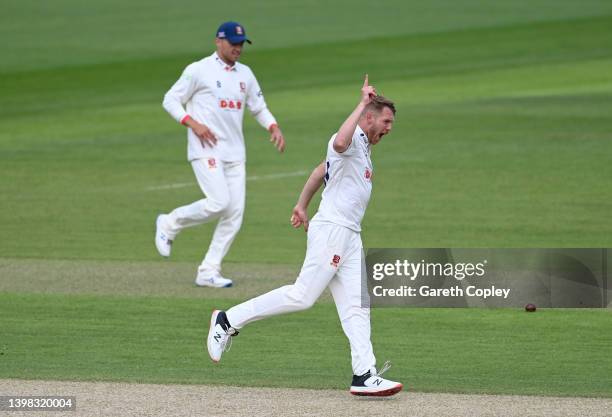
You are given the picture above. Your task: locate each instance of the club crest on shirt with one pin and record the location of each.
(212, 163)
(242, 87)
(335, 261)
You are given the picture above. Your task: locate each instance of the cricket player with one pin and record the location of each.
(209, 99)
(334, 249)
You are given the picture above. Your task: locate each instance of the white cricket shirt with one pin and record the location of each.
(215, 94)
(348, 183)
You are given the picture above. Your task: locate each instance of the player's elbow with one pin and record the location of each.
(168, 102)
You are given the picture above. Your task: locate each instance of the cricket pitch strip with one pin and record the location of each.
(128, 399)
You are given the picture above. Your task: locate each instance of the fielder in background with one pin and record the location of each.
(334, 248)
(210, 98)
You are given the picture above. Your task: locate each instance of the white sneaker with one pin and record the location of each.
(162, 242)
(212, 279)
(220, 334)
(372, 384)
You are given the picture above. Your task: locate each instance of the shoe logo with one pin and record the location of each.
(378, 382)
(217, 337)
(335, 261)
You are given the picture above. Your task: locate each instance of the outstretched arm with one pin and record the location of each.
(299, 215)
(345, 134)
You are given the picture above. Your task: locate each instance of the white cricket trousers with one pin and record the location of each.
(333, 258)
(224, 185)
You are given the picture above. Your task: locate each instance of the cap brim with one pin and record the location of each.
(238, 39)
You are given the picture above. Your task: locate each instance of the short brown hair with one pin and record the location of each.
(378, 103)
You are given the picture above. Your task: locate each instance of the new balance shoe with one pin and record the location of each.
(372, 384)
(208, 279)
(220, 335)
(163, 242)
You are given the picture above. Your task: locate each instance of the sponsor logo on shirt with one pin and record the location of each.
(335, 261)
(212, 163)
(228, 104)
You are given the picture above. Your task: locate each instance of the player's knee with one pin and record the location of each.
(304, 303)
(236, 213)
(300, 297)
(307, 303)
(219, 204)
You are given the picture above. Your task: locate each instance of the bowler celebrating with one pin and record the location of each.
(334, 249)
(210, 98)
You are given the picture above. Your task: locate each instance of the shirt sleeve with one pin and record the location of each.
(180, 93)
(257, 105)
(352, 148)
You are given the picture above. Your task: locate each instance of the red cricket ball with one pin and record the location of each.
(530, 308)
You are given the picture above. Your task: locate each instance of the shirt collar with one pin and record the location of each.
(223, 65)
(362, 135)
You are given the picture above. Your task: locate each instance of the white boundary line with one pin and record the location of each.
(250, 178)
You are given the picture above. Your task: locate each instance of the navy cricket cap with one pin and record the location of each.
(232, 31)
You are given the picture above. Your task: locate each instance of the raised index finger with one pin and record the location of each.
(365, 81)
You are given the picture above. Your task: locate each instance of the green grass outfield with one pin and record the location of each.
(75, 328)
(503, 139)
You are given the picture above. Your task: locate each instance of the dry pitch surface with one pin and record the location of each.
(120, 399)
